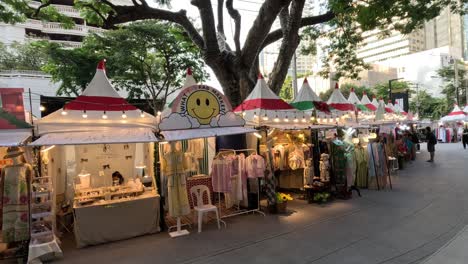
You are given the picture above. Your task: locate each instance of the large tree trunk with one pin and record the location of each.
(235, 81)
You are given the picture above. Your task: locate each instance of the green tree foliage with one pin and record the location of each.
(19, 56)
(429, 107)
(147, 59)
(448, 76)
(342, 24)
(380, 90)
(286, 92)
(346, 89)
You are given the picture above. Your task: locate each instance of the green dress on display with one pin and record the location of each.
(362, 160)
(338, 161)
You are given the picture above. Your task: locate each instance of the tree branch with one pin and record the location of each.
(208, 26)
(237, 20)
(283, 18)
(260, 28)
(288, 46)
(38, 10)
(306, 21)
(90, 6)
(220, 17)
(125, 14)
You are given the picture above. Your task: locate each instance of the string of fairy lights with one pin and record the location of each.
(296, 117)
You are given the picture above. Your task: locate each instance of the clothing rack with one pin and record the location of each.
(241, 211)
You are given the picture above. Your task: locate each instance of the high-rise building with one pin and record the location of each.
(376, 48)
(447, 29)
(33, 29)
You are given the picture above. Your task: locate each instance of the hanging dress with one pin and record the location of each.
(15, 215)
(176, 184)
(372, 181)
(338, 162)
(362, 170)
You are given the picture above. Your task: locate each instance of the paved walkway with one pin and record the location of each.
(427, 208)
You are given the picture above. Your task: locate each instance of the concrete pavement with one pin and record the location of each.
(427, 208)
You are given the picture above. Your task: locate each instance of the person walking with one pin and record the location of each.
(431, 142)
(465, 136)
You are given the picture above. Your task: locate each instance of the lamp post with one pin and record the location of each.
(390, 87)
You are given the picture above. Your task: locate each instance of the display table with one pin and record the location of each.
(116, 220)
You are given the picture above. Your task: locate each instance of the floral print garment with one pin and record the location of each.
(15, 216)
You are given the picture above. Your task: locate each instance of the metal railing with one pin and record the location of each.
(54, 27)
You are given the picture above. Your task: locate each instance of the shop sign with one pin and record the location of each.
(200, 106)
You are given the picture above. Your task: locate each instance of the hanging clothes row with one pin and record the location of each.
(230, 174)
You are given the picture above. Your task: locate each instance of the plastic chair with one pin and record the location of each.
(202, 208)
(393, 164)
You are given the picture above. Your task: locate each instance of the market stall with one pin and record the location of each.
(14, 209)
(287, 138)
(189, 158)
(97, 165)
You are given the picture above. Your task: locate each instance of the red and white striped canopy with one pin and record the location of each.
(306, 94)
(375, 102)
(98, 107)
(262, 98)
(338, 101)
(388, 109)
(100, 95)
(456, 115)
(353, 97)
(264, 107)
(366, 102)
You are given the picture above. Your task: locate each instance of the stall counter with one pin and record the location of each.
(106, 222)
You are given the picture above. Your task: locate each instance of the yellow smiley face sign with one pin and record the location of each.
(202, 103)
(203, 106)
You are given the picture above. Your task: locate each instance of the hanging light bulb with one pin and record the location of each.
(265, 117)
(64, 112)
(257, 135)
(330, 120)
(142, 114)
(42, 108)
(104, 116)
(124, 115)
(159, 113)
(286, 119)
(337, 119)
(318, 120)
(255, 115)
(276, 119)
(243, 113)
(304, 120)
(84, 115)
(296, 120)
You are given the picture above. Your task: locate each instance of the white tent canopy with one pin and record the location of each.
(353, 97)
(99, 109)
(14, 137)
(339, 102)
(456, 115)
(264, 107)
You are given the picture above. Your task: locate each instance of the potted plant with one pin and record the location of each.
(321, 197)
(282, 202)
